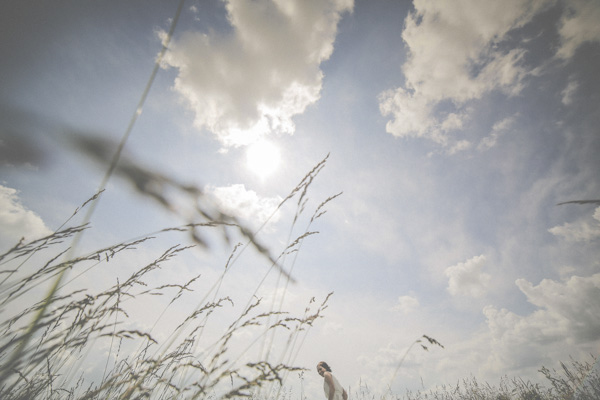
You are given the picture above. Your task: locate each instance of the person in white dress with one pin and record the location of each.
(331, 386)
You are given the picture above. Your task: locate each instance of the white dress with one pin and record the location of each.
(338, 389)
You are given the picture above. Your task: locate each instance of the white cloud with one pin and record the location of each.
(467, 279)
(246, 204)
(17, 221)
(578, 25)
(411, 114)
(453, 122)
(251, 82)
(272, 296)
(573, 303)
(497, 130)
(406, 304)
(568, 92)
(518, 342)
(564, 324)
(454, 55)
(460, 145)
(488, 142)
(582, 231)
(332, 328)
(379, 366)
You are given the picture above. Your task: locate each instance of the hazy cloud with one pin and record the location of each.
(17, 221)
(246, 204)
(519, 342)
(406, 304)
(454, 55)
(578, 25)
(379, 365)
(566, 315)
(332, 328)
(467, 279)
(582, 231)
(460, 145)
(497, 130)
(251, 82)
(568, 92)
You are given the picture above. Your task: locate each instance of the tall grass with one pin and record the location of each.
(576, 380)
(87, 344)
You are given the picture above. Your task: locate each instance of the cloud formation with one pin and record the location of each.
(406, 304)
(565, 315)
(245, 204)
(574, 303)
(460, 51)
(454, 54)
(568, 92)
(578, 25)
(252, 81)
(467, 279)
(582, 231)
(498, 129)
(17, 221)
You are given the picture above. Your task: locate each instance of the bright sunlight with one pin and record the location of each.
(262, 158)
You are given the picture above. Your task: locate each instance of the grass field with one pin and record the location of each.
(89, 344)
(64, 343)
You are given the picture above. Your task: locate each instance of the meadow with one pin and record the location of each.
(49, 347)
(59, 339)
(62, 343)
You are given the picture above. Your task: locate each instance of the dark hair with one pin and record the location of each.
(325, 365)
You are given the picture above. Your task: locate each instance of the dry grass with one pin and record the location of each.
(49, 349)
(576, 381)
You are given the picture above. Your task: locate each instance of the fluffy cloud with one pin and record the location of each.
(17, 221)
(579, 25)
(454, 54)
(246, 204)
(406, 304)
(564, 323)
(566, 315)
(251, 82)
(467, 279)
(574, 303)
(583, 231)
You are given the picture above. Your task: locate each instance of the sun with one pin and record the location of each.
(263, 158)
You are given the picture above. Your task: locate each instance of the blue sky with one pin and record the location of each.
(453, 130)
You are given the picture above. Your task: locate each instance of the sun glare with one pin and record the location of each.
(263, 158)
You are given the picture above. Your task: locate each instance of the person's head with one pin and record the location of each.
(322, 367)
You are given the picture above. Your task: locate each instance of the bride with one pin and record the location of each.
(333, 389)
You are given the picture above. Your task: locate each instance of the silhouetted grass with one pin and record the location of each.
(50, 348)
(576, 381)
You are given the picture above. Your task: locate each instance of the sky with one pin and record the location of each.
(452, 130)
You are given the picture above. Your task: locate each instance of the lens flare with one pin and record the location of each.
(263, 158)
